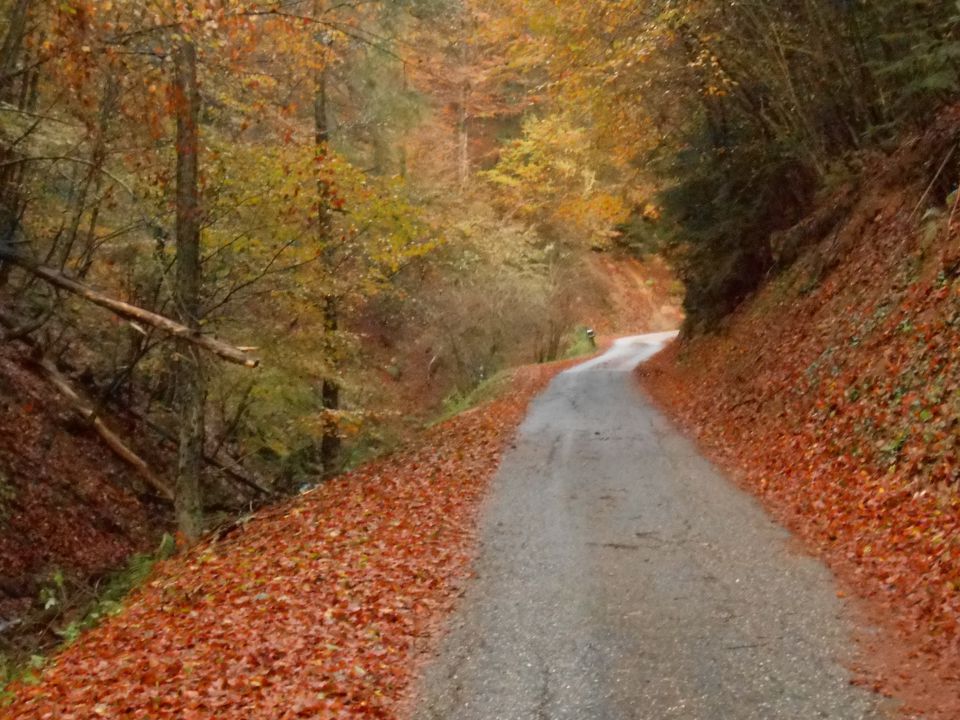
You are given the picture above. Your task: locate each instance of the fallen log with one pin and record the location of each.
(238, 356)
(218, 460)
(236, 471)
(63, 386)
(113, 441)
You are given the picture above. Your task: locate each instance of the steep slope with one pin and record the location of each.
(67, 504)
(314, 608)
(834, 394)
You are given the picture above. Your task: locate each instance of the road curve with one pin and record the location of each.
(621, 577)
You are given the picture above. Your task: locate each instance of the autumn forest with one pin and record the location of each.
(334, 171)
(279, 278)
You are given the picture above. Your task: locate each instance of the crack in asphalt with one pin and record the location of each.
(545, 697)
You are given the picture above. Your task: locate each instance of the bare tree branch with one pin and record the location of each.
(131, 312)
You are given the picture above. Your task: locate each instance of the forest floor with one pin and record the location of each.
(315, 608)
(67, 505)
(834, 395)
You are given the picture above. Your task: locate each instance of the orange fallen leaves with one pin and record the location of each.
(839, 407)
(312, 609)
(60, 501)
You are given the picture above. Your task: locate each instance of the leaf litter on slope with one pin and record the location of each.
(839, 405)
(312, 609)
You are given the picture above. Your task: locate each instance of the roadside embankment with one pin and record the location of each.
(834, 395)
(317, 608)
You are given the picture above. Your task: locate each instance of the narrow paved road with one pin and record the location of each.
(622, 578)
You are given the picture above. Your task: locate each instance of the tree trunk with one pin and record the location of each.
(12, 49)
(463, 114)
(330, 444)
(463, 140)
(191, 386)
(11, 54)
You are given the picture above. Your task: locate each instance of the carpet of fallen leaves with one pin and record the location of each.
(65, 499)
(317, 608)
(835, 396)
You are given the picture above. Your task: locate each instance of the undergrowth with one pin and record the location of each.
(71, 617)
(460, 402)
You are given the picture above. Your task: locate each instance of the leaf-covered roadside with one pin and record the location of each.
(314, 609)
(834, 395)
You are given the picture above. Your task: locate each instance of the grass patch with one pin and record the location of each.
(109, 598)
(579, 344)
(459, 402)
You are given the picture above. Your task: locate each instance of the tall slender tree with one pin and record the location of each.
(191, 385)
(330, 442)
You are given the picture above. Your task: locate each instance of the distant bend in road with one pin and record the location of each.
(622, 578)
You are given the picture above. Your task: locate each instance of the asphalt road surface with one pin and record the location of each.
(621, 577)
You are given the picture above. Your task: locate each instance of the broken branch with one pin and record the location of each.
(112, 440)
(217, 458)
(131, 312)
